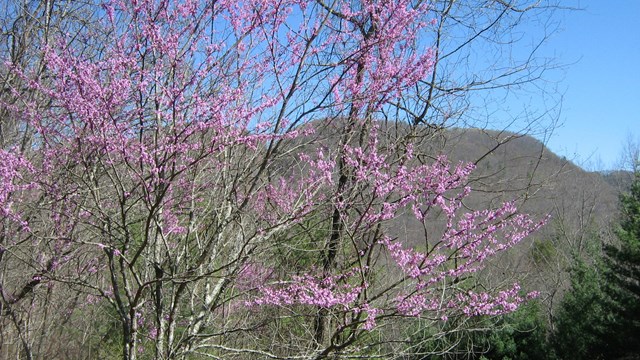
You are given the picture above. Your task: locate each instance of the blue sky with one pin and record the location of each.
(601, 87)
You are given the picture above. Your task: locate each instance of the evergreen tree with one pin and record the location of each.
(599, 317)
(584, 322)
(623, 263)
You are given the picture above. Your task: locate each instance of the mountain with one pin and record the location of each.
(581, 204)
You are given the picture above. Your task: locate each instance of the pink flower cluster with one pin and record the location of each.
(380, 39)
(14, 178)
(475, 304)
(332, 291)
(324, 291)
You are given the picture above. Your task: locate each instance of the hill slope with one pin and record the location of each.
(581, 205)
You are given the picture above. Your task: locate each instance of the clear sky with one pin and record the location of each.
(601, 102)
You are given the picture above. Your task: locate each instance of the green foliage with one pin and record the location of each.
(301, 247)
(543, 251)
(623, 263)
(452, 339)
(584, 318)
(625, 258)
(599, 318)
(106, 342)
(520, 335)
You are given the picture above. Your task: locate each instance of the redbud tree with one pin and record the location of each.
(218, 179)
